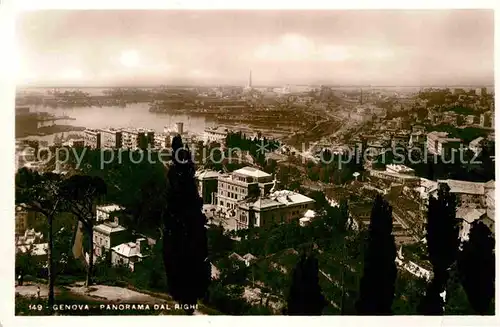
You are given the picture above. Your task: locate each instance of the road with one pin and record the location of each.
(101, 294)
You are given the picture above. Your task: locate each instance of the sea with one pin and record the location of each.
(135, 115)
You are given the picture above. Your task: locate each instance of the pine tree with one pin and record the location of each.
(305, 298)
(185, 246)
(442, 244)
(80, 193)
(477, 267)
(377, 285)
(41, 193)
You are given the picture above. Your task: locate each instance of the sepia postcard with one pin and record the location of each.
(254, 163)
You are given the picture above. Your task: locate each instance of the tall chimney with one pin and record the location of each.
(180, 128)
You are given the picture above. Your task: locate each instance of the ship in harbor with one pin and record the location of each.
(40, 123)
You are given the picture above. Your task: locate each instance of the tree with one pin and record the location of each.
(442, 244)
(185, 246)
(343, 224)
(41, 193)
(476, 264)
(379, 274)
(305, 296)
(80, 194)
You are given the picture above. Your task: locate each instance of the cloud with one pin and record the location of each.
(295, 47)
(198, 73)
(71, 74)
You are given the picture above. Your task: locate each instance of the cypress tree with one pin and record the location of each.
(185, 246)
(476, 265)
(305, 298)
(377, 285)
(442, 245)
(344, 223)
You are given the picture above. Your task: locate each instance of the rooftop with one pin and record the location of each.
(128, 250)
(206, 174)
(290, 197)
(470, 214)
(476, 141)
(399, 168)
(252, 172)
(457, 186)
(279, 199)
(217, 130)
(109, 227)
(38, 249)
(109, 208)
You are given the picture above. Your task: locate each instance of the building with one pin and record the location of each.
(31, 242)
(468, 216)
(129, 254)
(399, 169)
(417, 139)
(403, 179)
(400, 140)
(92, 138)
(111, 138)
(469, 194)
(162, 141)
(450, 117)
(107, 235)
(439, 143)
(276, 208)
(216, 134)
(485, 120)
(207, 180)
(75, 143)
(103, 213)
(137, 138)
(21, 220)
(240, 184)
(179, 128)
(418, 129)
(360, 117)
(309, 215)
(426, 188)
(470, 120)
(476, 145)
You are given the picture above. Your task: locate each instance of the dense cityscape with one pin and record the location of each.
(314, 199)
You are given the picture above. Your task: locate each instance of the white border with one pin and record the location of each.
(7, 91)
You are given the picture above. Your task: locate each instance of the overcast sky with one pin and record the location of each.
(99, 48)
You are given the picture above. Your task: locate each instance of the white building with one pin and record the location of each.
(309, 215)
(134, 138)
(399, 169)
(162, 140)
(129, 254)
(439, 143)
(92, 138)
(277, 208)
(475, 201)
(103, 212)
(476, 145)
(21, 220)
(240, 184)
(107, 235)
(216, 134)
(469, 194)
(207, 185)
(111, 138)
(467, 217)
